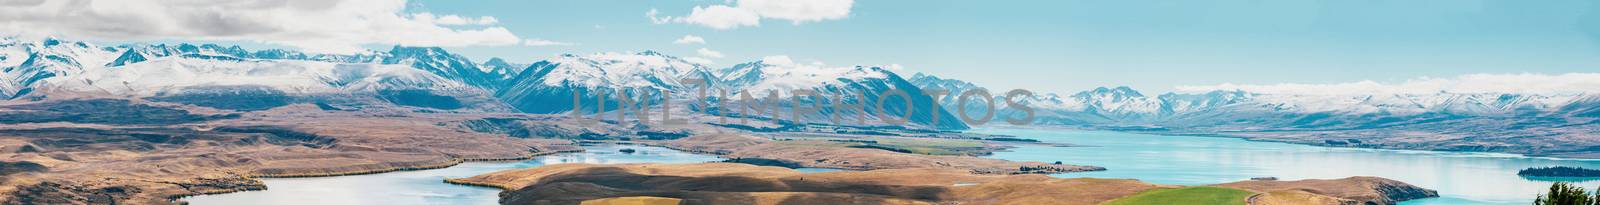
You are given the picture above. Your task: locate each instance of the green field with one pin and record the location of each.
(1181, 196)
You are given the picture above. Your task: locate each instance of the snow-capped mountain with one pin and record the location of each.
(1123, 106)
(502, 69)
(948, 85)
(135, 53)
(1584, 106)
(784, 76)
(177, 74)
(26, 64)
(432, 59)
(443, 63)
(1119, 102)
(548, 86)
(858, 84)
(229, 76)
(53, 66)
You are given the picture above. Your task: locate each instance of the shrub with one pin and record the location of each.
(1563, 193)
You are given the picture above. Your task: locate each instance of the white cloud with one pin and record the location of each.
(800, 11)
(750, 13)
(895, 67)
(542, 42)
(1569, 83)
(454, 19)
(709, 53)
(690, 39)
(698, 60)
(777, 60)
(329, 26)
(721, 17)
(653, 15)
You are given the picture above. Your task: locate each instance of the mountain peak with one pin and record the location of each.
(650, 53)
(1122, 91)
(400, 50)
(496, 61)
(51, 41)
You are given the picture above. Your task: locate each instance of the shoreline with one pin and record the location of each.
(460, 181)
(1251, 139)
(693, 181)
(451, 163)
(457, 161)
(1509, 155)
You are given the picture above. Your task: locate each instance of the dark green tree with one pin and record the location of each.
(1563, 193)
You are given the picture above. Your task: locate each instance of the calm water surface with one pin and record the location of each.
(1461, 178)
(427, 186)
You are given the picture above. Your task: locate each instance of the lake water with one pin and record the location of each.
(1460, 177)
(427, 186)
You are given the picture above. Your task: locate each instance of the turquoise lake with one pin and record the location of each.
(427, 186)
(1460, 177)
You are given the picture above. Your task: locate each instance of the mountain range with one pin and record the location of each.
(1524, 123)
(1124, 106)
(429, 77)
(424, 77)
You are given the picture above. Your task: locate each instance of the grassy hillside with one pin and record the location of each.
(1181, 196)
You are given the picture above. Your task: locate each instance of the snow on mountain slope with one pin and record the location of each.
(1173, 103)
(1121, 102)
(10, 56)
(234, 78)
(1411, 104)
(176, 74)
(135, 53)
(953, 86)
(28, 63)
(443, 63)
(648, 69)
(781, 75)
(1587, 105)
(1122, 105)
(502, 69)
(548, 86)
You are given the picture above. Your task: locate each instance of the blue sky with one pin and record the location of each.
(1061, 46)
(1068, 45)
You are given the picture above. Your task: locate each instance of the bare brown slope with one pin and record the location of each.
(1352, 190)
(123, 160)
(728, 183)
(748, 149)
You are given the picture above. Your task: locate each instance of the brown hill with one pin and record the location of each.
(729, 183)
(1351, 190)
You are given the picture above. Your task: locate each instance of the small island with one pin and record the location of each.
(1558, 171)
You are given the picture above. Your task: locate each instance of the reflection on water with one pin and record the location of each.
(1461, 178)
(427, 186)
